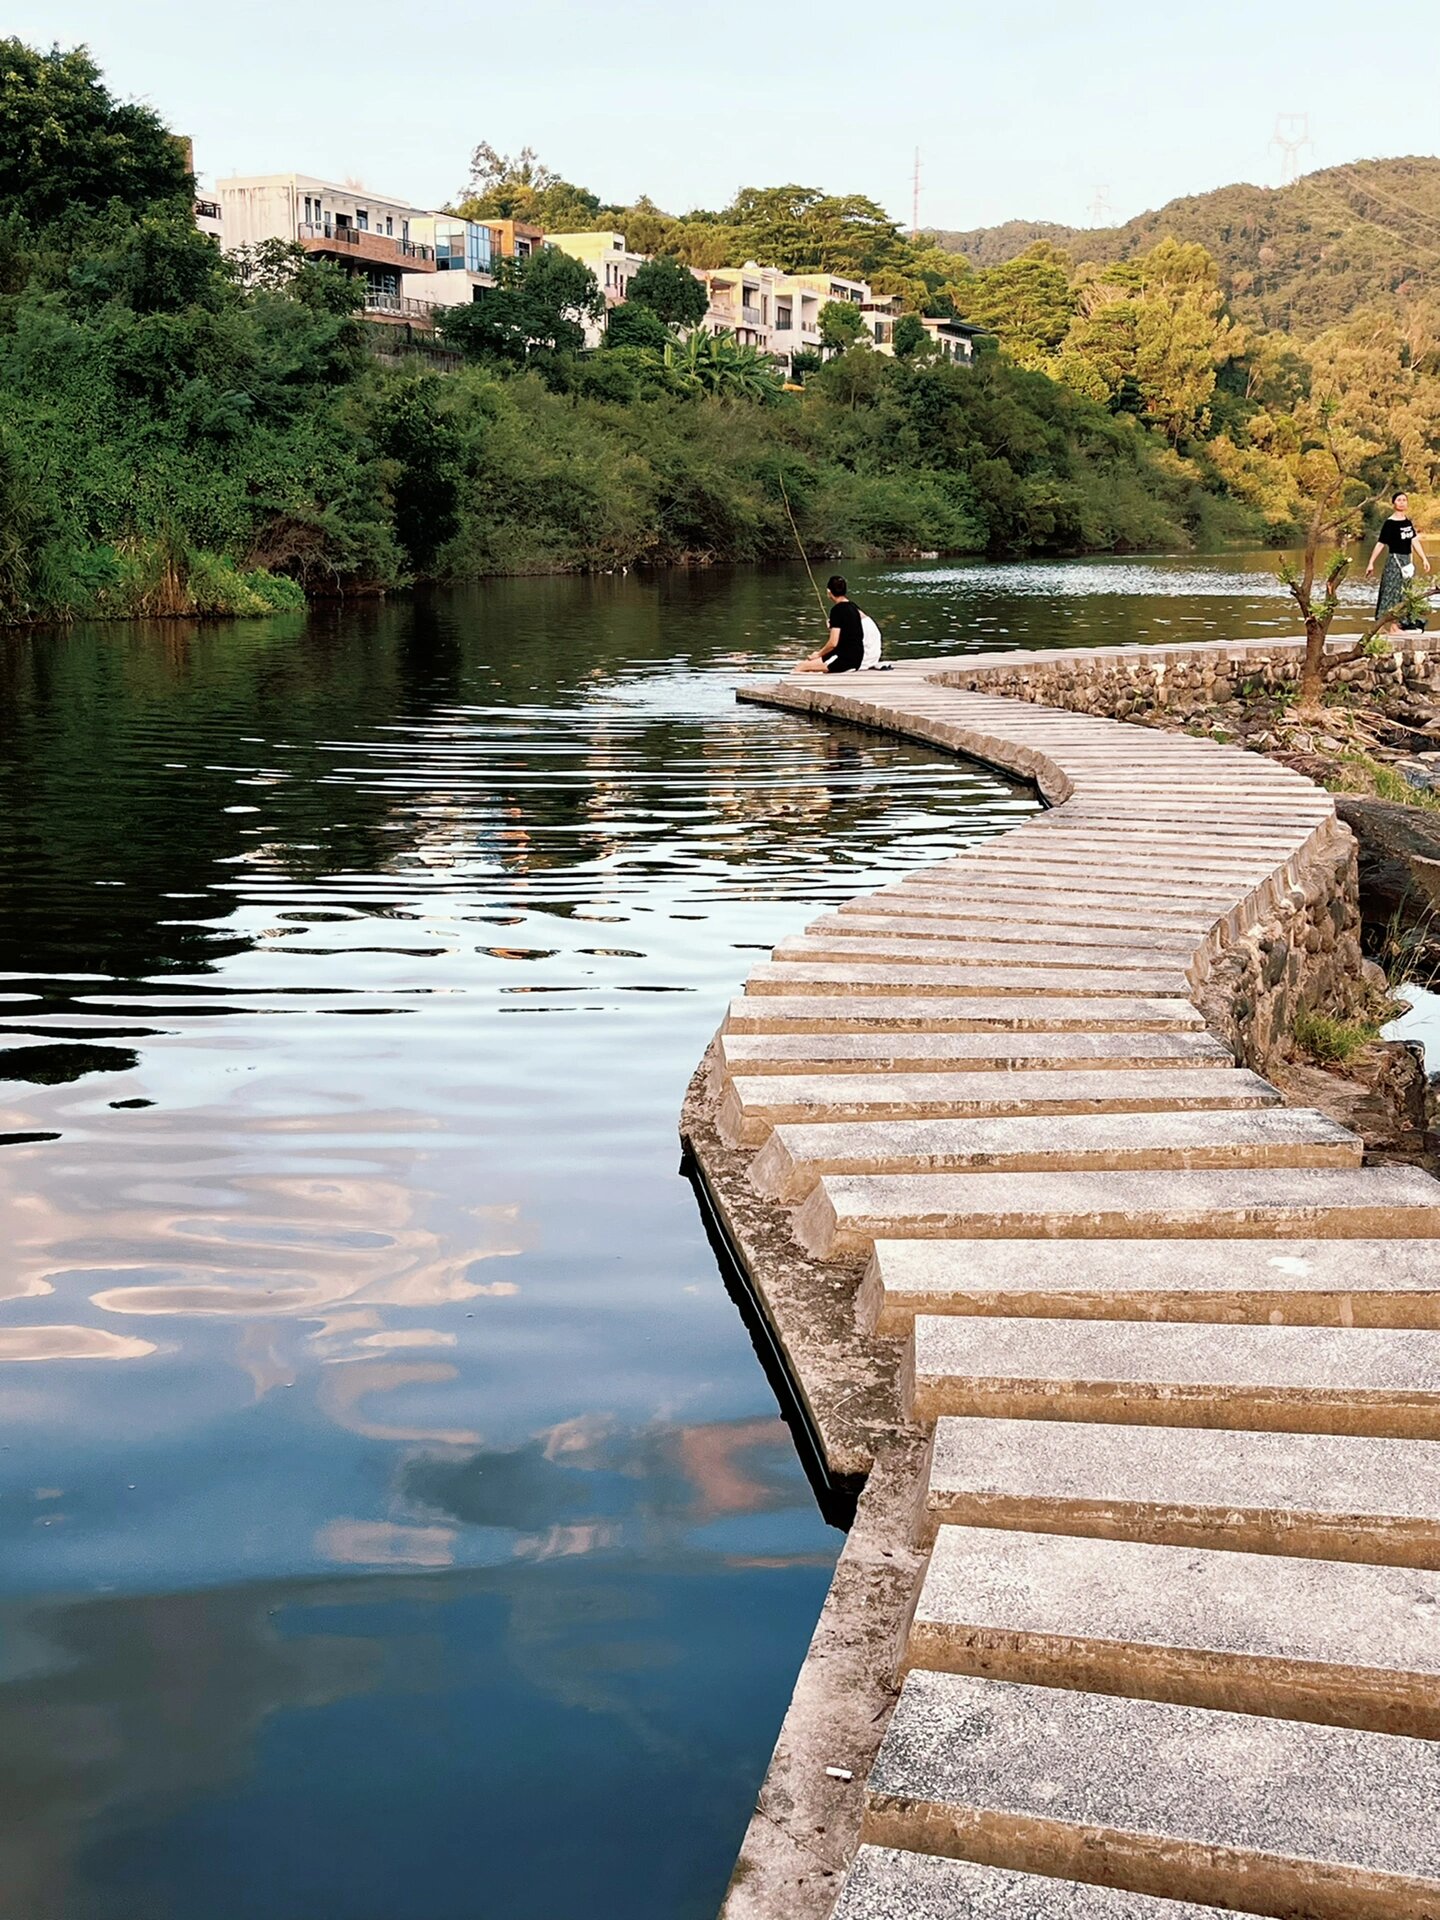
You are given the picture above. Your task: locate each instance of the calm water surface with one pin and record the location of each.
(394, 1518)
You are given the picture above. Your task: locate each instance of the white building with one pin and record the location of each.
(611, 262)
(742, 302)
(368, 235)
(797, 319)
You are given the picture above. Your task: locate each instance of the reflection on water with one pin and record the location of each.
(394, 1518)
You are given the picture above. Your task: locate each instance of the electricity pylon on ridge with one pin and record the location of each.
(1102, 214)
(1290, 139)
(915, 201)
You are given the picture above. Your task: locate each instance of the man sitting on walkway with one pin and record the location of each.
(844, 651)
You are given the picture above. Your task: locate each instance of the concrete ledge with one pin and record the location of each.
(846, 1214)
(1322, 1640)
(795, 1156)
(1317, 1495)
(977, 1013)
(1271, 1816)
(1360, 1380)
(1317, 1283)
(887, 1884)
(752, 1107)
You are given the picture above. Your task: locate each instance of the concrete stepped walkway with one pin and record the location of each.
(1143, 1363)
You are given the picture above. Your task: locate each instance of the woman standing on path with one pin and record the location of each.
(1397, 539)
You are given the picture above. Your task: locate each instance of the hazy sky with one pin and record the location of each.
(1018, 111)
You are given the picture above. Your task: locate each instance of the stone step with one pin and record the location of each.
(751, 1107)
(1053, 856)
(859, 978)
(1383, 1381)
(1272, 1816)
(1323, 1640)
(1324, 1496)
(887, 1883)
(794, 1157)
(839, 1054)
(884, 949)
(1321, 1283)
(853, 926)
(974, 1013)
(1058, 880)
(847, 1213)
(1028, 903)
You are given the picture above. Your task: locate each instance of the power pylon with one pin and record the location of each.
(1102, 214)
(1290, 139)
(915, 201)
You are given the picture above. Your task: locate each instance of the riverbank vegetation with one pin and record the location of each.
(181, 431)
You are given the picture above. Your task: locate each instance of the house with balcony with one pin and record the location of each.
(742, 302)
(463, 251)
(367, 235)
(834, 286)
(611, 262)
(797, 319)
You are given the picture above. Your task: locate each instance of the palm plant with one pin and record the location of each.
(715, 363)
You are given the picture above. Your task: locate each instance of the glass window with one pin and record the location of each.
(362, 219)
(389, 224)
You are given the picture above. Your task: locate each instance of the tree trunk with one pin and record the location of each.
(1312, 671)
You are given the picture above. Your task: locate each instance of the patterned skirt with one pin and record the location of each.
(1392, 586)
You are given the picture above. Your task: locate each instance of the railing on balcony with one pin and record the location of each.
(400, 305)
(751, 316)
(363, 237)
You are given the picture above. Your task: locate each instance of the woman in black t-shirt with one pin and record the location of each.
(1397, 541)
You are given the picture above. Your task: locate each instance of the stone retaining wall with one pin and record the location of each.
(1123, 683)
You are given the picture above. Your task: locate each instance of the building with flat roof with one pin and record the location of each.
(367, 235)
(611, 262)
(742, 302)
(463, 250)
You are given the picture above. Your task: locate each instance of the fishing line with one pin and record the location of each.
(780, 476)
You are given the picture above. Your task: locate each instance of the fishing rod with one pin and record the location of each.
(784, 495)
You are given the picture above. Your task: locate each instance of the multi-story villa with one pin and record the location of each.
(742, 302)
(611, 262)
(368, 235)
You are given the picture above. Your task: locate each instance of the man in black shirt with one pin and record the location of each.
(844, 651)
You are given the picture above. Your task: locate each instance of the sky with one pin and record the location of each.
(1037, 112)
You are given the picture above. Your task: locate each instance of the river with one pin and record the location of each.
(395, 1520)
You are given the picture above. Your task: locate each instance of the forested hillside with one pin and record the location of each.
(184, 431)
(1295, 259)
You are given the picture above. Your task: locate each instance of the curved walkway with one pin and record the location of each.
(1145, 1361)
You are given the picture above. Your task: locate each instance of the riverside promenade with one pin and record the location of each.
(1139, 1366)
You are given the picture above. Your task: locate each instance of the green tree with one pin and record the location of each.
(632, 324)
(538, 305)
(66, 143)
(1027, 302)
(670, 291)
(521, 187)
(910, 340)
(841, 324)
(414, 432)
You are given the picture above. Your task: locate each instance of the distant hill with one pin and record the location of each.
(1297, 258)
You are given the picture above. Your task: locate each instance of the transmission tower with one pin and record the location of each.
(915, 201)
(1290, 139)
(1102, 214)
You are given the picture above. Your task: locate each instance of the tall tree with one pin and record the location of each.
(670, 291)
(66, 143)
